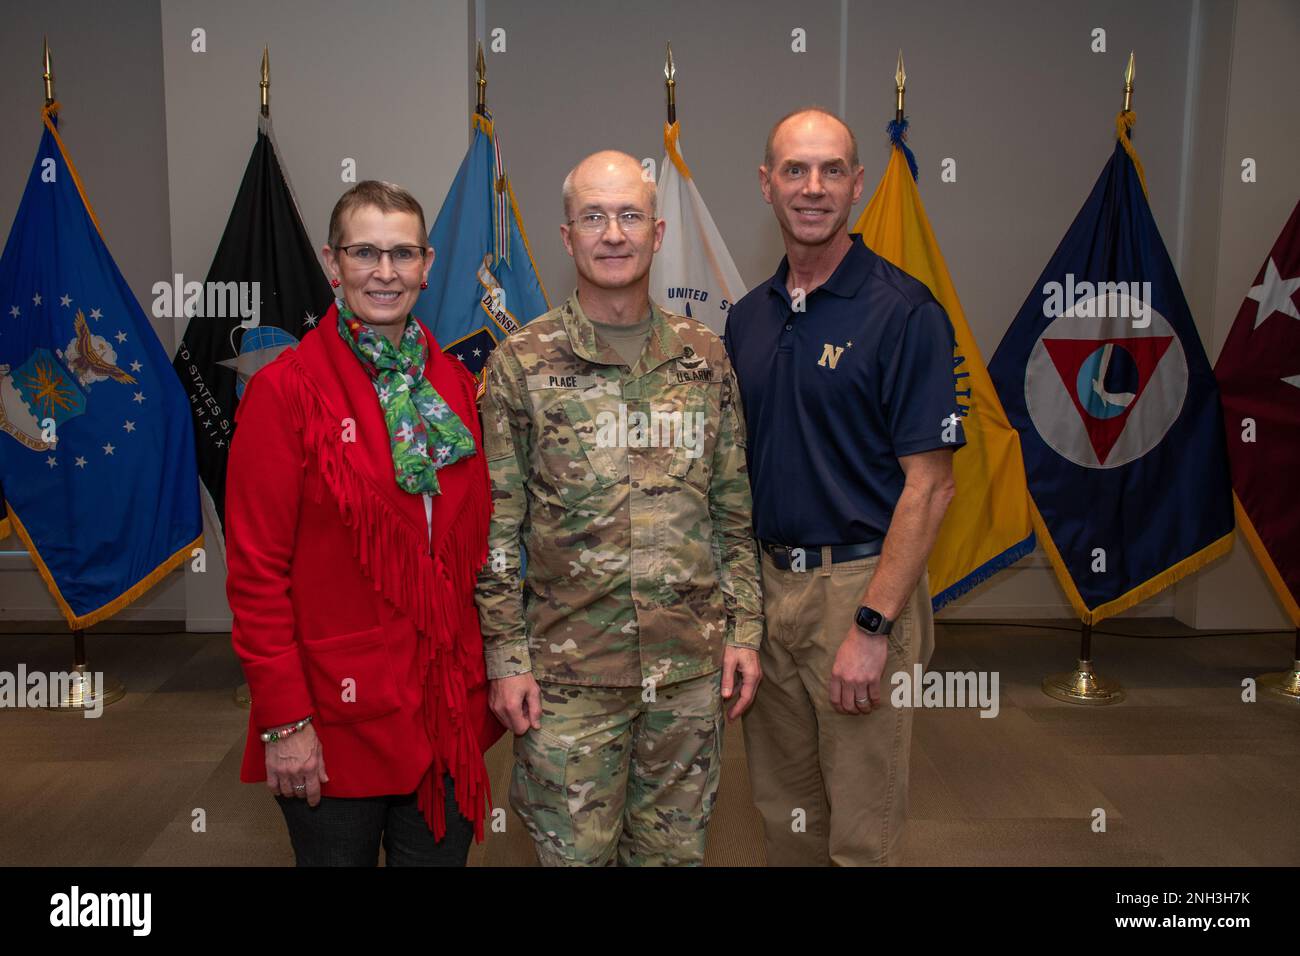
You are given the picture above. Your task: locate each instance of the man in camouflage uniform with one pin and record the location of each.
(616, 448)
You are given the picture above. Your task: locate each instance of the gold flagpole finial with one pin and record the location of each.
(1128, 83)
(670, 82)
(480, 68)
(48, 75)
(264, 84)
(900, 83)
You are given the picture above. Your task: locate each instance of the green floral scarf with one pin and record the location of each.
(416, 415)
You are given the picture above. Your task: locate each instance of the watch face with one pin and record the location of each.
(868, 619)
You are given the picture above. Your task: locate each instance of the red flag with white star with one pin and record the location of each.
(1259, 378)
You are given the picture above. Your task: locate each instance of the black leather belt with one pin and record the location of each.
(812, 556)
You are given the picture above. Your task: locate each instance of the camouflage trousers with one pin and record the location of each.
(612, 778)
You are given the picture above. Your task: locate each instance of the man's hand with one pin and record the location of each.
(855, 677)
(744, 660)
(296, 761)
(517, 702)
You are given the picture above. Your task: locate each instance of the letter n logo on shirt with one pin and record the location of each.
(830, 355)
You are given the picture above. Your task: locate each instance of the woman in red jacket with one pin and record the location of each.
(357, 508)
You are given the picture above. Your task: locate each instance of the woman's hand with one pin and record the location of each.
(296, 761)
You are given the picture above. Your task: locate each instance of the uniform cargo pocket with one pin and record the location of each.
(350, 677)
(539, 791)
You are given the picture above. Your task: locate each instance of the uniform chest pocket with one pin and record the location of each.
(577, 450)
(695, 411)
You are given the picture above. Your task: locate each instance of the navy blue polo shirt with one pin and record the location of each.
(836, 394)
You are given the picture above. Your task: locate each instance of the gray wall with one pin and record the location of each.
(1008, 88)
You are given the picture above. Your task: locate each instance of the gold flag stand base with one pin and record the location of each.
(243, 697)
(1282, 685)
(84, 692)
(1082, 686)
(87, 690)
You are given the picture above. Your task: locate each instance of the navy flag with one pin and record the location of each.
(1104, 376)
(264, 290)
(97, 450)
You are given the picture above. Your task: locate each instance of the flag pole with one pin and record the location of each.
(80, 693)
(243, 693)
(1128, 84)
(480, 70)
(264, 84)
(48, 75)
(900, 83)
(1082, 685)
(670, 84)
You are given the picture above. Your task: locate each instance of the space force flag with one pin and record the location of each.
(483, 285)
(97, 450)
(264, 290)
(987, 526)
(1259, 374)
(692, 273)
(1103, 374)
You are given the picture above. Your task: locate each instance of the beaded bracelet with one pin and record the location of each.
(271, 736)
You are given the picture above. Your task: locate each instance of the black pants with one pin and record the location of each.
(347, 831)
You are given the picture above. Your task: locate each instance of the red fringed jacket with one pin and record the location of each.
(345, 606)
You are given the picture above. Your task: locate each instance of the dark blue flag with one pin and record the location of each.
(97, 455)
(1105, 378)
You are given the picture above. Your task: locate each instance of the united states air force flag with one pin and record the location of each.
(693, 273)
(483, 285)
(987, 526)
(97, 450)
(1104, 376)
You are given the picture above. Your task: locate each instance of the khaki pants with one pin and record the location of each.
(612, 777)
(846, 773)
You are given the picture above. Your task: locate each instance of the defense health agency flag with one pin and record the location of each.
(483, 284)
(692, 273)
(987, 526)
(97, 455)
(1103, 374)
(264, 242)
(1259, 375)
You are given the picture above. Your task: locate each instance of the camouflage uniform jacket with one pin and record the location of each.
(628, 490)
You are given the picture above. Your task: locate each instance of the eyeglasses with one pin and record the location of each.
(367, 256)
(595, 223)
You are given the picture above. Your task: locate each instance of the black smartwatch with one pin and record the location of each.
(872, 621)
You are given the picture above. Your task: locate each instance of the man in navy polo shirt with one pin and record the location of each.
(845, 365)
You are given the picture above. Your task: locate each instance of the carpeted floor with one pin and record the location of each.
(1186, 773)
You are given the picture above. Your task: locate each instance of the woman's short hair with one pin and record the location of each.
(386, 197)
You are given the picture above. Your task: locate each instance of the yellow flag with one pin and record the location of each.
(987, 526)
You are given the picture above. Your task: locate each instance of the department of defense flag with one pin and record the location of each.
(483, 285)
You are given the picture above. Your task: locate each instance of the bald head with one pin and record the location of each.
(603, 173)
(809, 119)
